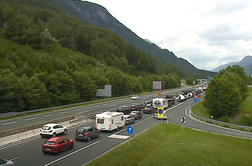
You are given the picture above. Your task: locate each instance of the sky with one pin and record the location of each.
(207, 33)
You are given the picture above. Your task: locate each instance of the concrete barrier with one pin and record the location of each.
(32, 126)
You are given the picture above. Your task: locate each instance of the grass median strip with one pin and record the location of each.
(167, 144)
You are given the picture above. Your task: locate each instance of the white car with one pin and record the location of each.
(134, 97)
(52, 129)
(4, 162)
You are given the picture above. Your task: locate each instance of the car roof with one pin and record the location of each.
(55, 139)
(51, 124)
(84, 127)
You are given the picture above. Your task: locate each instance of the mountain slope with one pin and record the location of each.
(99, 16)
(246, 63)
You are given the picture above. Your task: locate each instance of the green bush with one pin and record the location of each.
(225, 119)
(246, 120)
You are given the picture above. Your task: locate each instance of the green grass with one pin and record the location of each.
(167, 144)
(199, 109)
(246, 106)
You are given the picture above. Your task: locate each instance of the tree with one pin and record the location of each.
(223, 97)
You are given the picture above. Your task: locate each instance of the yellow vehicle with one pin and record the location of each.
(160, 114)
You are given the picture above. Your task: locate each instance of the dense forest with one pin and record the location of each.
(49, 58)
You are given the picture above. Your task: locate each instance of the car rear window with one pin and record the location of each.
(50, 143)
(81, 130)
(46, 127)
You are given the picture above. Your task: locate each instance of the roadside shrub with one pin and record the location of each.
(246, 120)
(225, 119)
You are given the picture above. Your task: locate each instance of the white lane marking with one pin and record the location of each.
(8, 123)
(88, 107)
(76, 110)
(70, 154)
(48, 115)
(30, 119)
(15, 158)
(63, 112)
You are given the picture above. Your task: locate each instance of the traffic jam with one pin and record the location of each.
(109, 121)
(124, 115)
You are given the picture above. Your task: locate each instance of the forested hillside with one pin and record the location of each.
(50, 58)
(97, 15)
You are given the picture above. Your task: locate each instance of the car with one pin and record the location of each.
(148, 109)
(4, 162)
(86, 133)
(129, 119)
(57, 145)
(135, 107)
(124, 109)
(136, 114)
(52, 129)
(134, 97)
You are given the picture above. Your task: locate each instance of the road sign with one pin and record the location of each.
(129, 130)
(183, 120)
(193, 86)
(158, 94)
(199, 96)
(195, 100)
(160, 110)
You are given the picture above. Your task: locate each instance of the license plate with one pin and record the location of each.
(48, 149)
(80, 134)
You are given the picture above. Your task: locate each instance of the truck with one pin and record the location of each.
(109, 121)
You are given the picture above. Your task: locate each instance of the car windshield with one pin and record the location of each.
(50, 143)
(46, 127)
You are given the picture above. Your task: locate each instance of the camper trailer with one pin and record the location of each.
(109, 121)
(157, 102)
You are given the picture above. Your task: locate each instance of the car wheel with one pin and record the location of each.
(58, 151)
(117, 128)
(71, 146)
(65, 132)
(98, 135)
(89, 139)
(44, 152)
(54, 135)
(76, 139)
(42, 136)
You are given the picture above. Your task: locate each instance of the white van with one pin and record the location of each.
(157, 102)
(109, 121)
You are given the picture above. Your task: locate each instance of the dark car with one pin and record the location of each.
(129, 119)
(148, 109)
(86, 133)
(57, 145)
(136, 114)
(135, 107)
(124, 109)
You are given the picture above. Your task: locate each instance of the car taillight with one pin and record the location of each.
(75, 133)
(135, 115)
(50, 131)
(130, 106)
(123, 110)
(86, 134)
(40, 130)
(150, 110)
(117, 109)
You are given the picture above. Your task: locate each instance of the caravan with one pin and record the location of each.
(157, 102)
(109, 121)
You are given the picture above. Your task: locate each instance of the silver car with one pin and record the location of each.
(4, 162)
(129, 119)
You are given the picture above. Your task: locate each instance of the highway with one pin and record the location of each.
(30, 153)
(98, 107)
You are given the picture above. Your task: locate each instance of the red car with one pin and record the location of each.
(57, 145)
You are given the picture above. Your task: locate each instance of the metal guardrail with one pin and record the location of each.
(76, 104)
(216, 122)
